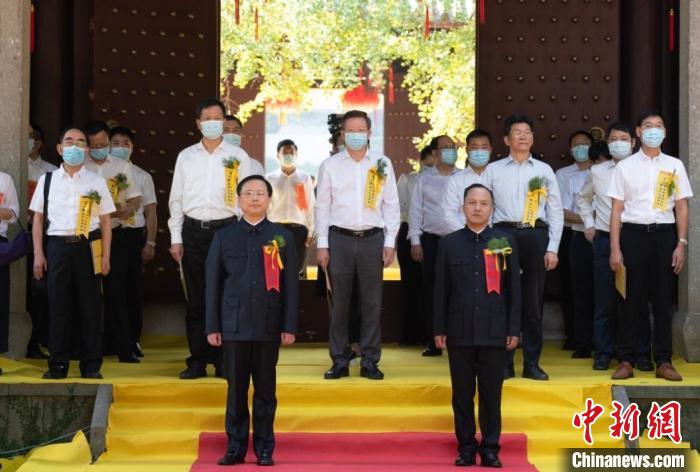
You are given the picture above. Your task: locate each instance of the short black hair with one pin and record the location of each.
(239, 187)
(515, 119)
(478, 133)
(598, 150)
(72, 127)
(122, 131)
(208, 103)
(434, 142)
(38, 132)
(286, 142)
(94, 127)
(620, 126)
(356, 114)
(473, 186)
(426, 152)
(649, 114)
(233, 118)
(580, 132)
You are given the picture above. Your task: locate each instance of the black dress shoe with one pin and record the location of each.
(265, 458)
(432, 352)
(55, 374)
(372, 372)
(535, 372)
(129, 359)
(643, 364)
(231, 458)
(601, 363)
(35, 352)
(92, 375)
(490, 459)
(193, 373)
(465, 460)
(336, 372)
(137, 350)
(581, 354)
(509, 372)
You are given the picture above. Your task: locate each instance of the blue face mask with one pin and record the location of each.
(479, 157)
(233, 139)
(653, 137)
(121, 152)
(99, 154)
(287, 160)
(212, 129)
(73, 155)
(580, 152)
(620, 149)
(31, 144)
(448, 156)
(356, 141)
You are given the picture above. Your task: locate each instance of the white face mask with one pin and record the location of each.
(620, 149)
(288, 160)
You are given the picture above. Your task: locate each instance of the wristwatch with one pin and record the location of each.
(683, 241)
(151, 243)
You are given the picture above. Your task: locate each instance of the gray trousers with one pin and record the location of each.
(350, 255)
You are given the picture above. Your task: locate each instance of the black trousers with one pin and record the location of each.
(135, 240)
(467, 365)
(650, 277)
(581, 257)
(300, 233)
(567, 289)
(532, 245)
(117, 336)
(429, 243)
(75, 299)
(243, 360)
(37, 305)
(412, 328)
(607, 300)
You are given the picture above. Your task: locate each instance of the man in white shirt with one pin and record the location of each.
(69, 255)
(203, 200)
(479, 153)
(413, 325)
(528, 206)
(9, 211)
(426, 224)
(357, 218)
(139, 232)
(293, 199)
(648, 236)
(233, 130)
(127, 199)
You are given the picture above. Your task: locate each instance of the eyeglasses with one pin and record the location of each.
(251, 194)
(518, 133)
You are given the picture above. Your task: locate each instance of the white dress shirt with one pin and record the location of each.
(8, 200)
(593, 203)
(508, 180)
(340, 198)
(284, 208)
(109, 168)
(563, 176)
(199, 185)
(454, 197)
(634, 183)
(405, 187)
(571, 180)
(64, 200)
(427, 211)
(39, 167)
(144, 181)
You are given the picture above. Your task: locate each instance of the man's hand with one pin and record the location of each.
(589, 233)
(441, 341)
(122, 213)
(323, 257)
(288, 339)
(417, 253)
(388, 256)
(176, 251)
(551, 259)
(678, 259)
(147, 253)
(105, 265)
(214, 339)
(616, 261)
(40, 266)
(511, 342)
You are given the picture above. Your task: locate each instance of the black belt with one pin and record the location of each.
(129, 228)
(211, 224)
(652, 228)
(93, 235)
(605, 234)
(520, 225)
(356, 234)
(293, 225)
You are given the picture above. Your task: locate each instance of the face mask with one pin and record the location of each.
(31, 144)
(580, 152)
(73, 155)
(479, 157)
(212, 129)
(287, 160)
(653, 137)
(232, 139)
(121, 152)
(340, 147)
(620, 149)
(448, 156)
(99, 154)
(356, 141)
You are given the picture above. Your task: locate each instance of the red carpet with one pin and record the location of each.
(365, 452)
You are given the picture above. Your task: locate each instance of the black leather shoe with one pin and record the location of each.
(372, 372)
(193, 373)
(336, 372)
(465, 460)
(643, 364)
(432, 352)
(55, 374)
(490, 459)
(92, 375)
(231, 459)
(580, 354)
(35, 352)
(509, 372)
(601, 363)
(535, 372)
(138, 352)
(265, 458)
(129, 359)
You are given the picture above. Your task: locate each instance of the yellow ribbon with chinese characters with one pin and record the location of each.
(113, 187)
(273, 250)
(82, 227)
(374, 186)
(506, 251)
(665, 186)
(532, 205)
(231, 176)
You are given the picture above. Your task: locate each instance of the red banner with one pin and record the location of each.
(301, 196)
(273, 264)
(493, 274)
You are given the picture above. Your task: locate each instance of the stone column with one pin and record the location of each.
(14, 96)
(686, 323)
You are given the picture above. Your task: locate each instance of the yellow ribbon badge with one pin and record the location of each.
(536, 190)
(665, 187)
(375, 181)
(85, 208)
(231, 177)
(273, 250)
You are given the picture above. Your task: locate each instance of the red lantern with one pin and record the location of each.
(361, 97)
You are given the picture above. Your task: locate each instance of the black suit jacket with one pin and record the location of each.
(237, 302)
(463, 310)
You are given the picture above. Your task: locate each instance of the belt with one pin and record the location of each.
(76, 239)
(356, 234)
(520, 225)
(211, 224)
(652, 228)
(293, 225)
